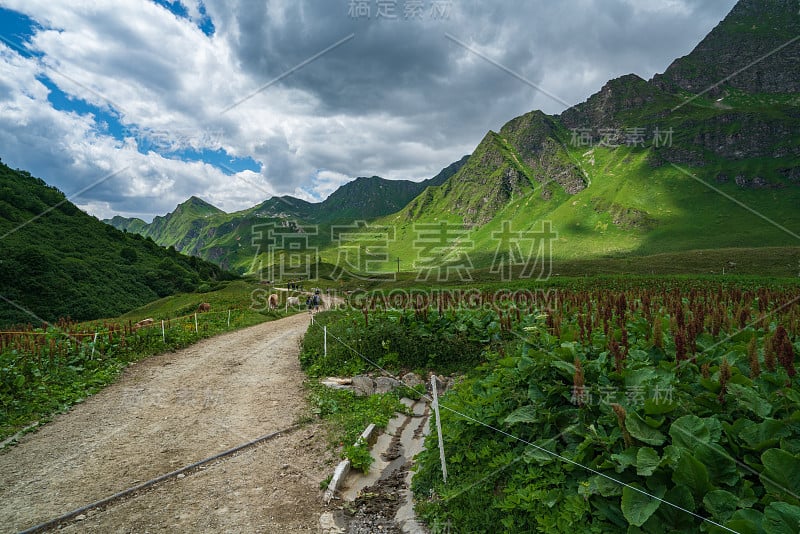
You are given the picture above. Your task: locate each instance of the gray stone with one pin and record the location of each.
(332, 523)
(412, 380)
(363, 385)
(385, 384)
(441, 384)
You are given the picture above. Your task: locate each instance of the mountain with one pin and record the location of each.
(284, 207)
(643, 167)
(133, 225)
(55, 260)
(743, 51)
(367, 198)
(446, 173)
(703, 156)
(197, 228)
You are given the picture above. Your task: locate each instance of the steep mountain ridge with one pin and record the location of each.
(754, 49)
(612, 173)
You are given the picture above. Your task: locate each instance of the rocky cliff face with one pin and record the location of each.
(754, 49)
(606, 108)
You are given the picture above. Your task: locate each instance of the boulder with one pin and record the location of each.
(385, 384)
(363, 385)
(412, 380)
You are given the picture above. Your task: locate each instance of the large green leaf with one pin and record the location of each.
(781, 518)
(565, 368)
(525, 414)
(673, 517)
(688, 431)
(781, 473)
(748, 398)
(721, 467)
(659, 406)
(647, 461)
(637, 507)
(765, 434)
(640, 430)
(720, 504)
(693, 474)
(525, 363)
(598, 485)
(625, 458)
(639, 377)
(742, 522)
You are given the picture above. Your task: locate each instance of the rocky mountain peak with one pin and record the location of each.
(755, 49)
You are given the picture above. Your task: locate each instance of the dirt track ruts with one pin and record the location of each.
(166, 412)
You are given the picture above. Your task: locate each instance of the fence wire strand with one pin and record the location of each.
(528, 443)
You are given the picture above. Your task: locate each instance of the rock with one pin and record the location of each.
(337, 383)
(80, 517)
(332, 523)
(181, 475)
(412, 380)
(385, 384)
(363, 385)
(441, 384)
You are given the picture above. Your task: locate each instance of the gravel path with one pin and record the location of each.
(169, 411)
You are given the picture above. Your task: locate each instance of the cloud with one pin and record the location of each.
(398, 100)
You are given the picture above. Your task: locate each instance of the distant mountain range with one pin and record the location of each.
(197, 228)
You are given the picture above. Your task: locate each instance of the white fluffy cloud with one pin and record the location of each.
(398, 100)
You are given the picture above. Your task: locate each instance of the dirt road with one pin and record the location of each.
(167, 412)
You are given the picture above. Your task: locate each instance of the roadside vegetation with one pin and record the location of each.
(46, 370)
(623, 406)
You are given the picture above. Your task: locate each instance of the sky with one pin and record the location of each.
(132, 106)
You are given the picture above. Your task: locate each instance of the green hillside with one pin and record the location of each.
(57, 261)
(134, 224)
(640, 168)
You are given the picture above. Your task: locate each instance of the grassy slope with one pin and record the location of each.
(631, 207)
(59, 261)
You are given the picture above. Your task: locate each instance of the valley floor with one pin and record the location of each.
(167, 412)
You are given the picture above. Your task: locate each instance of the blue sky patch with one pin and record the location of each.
(16, 30)
(179, 10)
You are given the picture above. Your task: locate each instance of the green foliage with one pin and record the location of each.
(733, 457)
(359, 455)
(399, 340)
(348, 415)
(56, 261)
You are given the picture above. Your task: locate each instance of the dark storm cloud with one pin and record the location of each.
(410, 69)
(400, 99)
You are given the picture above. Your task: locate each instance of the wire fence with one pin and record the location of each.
(66, 339)
(527, 443)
